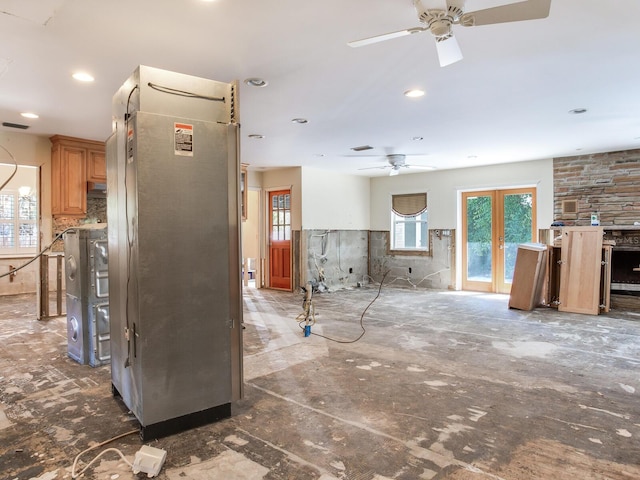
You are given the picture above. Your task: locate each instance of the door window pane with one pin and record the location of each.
(479, 238)
(517, 228)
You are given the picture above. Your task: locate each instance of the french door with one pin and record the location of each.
(494, 223)
(280, 239)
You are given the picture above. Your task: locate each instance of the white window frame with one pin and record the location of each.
(402, 207)
(398, 228)
(16, 222)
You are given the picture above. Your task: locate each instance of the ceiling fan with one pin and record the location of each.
(440, 15)
(397, 161)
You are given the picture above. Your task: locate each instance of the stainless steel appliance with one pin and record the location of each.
(174, 246)
(87, 292)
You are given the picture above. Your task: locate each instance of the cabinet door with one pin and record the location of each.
(73, 185)
(96, 166)
(580, 270)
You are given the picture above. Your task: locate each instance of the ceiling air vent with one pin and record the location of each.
(362, 148)
(570, 206)
(15, 125)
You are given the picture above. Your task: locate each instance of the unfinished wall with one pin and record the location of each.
(436, 270)
(605, 184)
(334, 258)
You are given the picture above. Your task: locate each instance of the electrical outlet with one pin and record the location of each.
(409, 269)
(350, 270)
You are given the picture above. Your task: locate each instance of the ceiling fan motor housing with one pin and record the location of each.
(440, 21)
(396, 159)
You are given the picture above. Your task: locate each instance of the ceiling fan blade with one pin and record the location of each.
(448, 51)
(385, 36)
(375, 168)
(421, 167)
(514, 12)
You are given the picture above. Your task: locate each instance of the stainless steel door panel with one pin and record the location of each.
(100, 255)
(100, 335)
(181, 269)
(77, 341)
(72, 265)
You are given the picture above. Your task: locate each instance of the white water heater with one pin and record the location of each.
(174, 245)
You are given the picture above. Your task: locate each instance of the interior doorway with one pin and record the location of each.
(494, 223)
(280, 239)
(251, 235)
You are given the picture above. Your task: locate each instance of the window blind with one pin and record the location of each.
(409, 205)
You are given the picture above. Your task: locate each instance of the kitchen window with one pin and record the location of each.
(18, 222)
(409, 226)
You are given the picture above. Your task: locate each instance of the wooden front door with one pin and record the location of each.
(494, 223)
(280, 239)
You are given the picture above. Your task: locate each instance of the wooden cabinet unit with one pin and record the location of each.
(96, 166)
(74, 161)
(528, 276)
(581, 270)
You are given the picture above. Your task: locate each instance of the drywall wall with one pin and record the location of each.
(283, 178)
(251, 226)
(34, 151)
(334, 201)
(443, 188)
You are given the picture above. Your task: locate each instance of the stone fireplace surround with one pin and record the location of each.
(606, 185)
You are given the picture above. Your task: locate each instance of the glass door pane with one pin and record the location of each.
(517, 221)
(479, 238)
(495, 222)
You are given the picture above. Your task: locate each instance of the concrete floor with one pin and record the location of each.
(443, 385)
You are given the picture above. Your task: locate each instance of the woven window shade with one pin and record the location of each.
(409, 205)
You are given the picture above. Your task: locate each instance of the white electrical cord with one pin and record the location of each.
(15, 168)
(75, 462)
(12, 272)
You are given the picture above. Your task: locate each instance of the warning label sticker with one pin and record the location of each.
(183, 139)
(130, 145)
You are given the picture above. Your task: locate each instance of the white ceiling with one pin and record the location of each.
(507, 100)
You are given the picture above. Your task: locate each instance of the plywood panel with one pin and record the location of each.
(528, 276)
(580, 269)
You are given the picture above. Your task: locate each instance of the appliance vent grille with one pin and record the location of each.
(569, 206)
(15, 125)
(362, 148)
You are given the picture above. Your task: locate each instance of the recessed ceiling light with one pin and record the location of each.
(414, 93)
(578, 111)
(417, 139)
(300, 120)
(319, 154)
(30, 115)
(83, 77)
(256, 136)
(472, 156)
(256, 82)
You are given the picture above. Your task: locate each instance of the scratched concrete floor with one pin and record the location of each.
(443, 385)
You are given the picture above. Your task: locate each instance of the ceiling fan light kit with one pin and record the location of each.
(441, 15)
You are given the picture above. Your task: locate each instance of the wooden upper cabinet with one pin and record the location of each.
(96, 166)
(71, 160)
